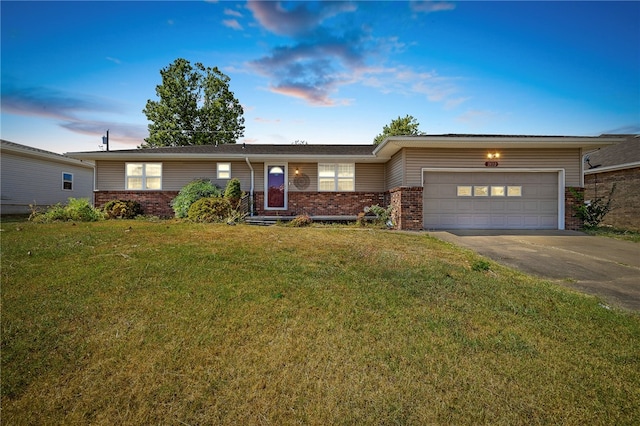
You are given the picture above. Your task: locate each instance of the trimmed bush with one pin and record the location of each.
(233, 193)
(211, 209)
(76, 209)
(192, 192)
(122, 209)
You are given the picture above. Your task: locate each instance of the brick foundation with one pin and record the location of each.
(322, 203)
(571, 221)
(155, 203)
(407, 207)
(625, 212)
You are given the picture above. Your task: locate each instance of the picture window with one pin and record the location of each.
(143, 176)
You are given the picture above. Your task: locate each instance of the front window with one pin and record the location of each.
(67, 181)
(224, 170)
(336, 177)
(143, 176)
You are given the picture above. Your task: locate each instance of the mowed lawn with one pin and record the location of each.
(137, 322)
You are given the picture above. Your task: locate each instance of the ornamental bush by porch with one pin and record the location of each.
(192, 192)
(211, 209)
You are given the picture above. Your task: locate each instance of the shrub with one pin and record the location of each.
(211, 209)
(481, 265)
(383, 216)
(192, 192)
(300, 221)
(122, 209)
(76, 209)
(233, 193)
(593, 212)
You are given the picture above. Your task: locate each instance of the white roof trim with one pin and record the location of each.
(393, 144)
(28, 151)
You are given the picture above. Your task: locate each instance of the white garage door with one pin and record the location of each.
(490, 200)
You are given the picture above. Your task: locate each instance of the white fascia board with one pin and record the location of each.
(393, 144)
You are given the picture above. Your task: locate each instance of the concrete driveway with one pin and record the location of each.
(607, 268)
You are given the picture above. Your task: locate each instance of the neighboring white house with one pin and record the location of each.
(31, 176)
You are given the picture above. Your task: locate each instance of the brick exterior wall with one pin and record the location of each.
(571, 222)
(407, 207)
(155, 203)
(322, 203)
(625, 213)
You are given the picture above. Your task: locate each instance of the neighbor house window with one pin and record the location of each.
(144, 176)
(336, 177)
(67, 181)
(224, 170)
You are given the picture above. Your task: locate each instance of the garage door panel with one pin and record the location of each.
(535, 208)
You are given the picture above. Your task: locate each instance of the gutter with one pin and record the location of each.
(251, 190)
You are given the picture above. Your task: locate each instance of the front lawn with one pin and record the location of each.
(134, 322)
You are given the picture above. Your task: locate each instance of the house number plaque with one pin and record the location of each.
(491, 164)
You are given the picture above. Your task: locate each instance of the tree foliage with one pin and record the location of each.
(195, 107)
(399, 127)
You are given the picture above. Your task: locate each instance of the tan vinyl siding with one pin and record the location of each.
(110, 175)
(306, 181)
(370, 177)
(175, 174)
(567, 159)
(394, 170)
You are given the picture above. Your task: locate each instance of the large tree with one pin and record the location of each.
(196, 107)
(399, 127)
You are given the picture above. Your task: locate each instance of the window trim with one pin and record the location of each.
(144, 176)
(67, 180)
(337, 178)
(219, 172)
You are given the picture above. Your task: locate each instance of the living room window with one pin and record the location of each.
(336, 177)
(144, 176)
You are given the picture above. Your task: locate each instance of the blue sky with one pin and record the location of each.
(323, 72)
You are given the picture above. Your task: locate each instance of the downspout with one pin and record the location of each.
(251, 190)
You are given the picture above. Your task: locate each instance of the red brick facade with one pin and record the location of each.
(323, 203)
(571, 221)
(625, 213)
(155, 203)
(407, 207)
(406, 202)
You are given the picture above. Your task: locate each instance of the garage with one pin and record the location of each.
(491, 199)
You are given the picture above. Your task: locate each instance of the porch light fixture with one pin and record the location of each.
(297, 171)
(493, 155)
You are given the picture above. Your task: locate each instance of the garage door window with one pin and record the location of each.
(497, 191)
(514, 191)
(464, 191)
(481, 191)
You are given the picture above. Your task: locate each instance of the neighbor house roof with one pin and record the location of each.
(624, 155)
(29, 151)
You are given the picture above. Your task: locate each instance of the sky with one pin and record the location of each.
(323, 72)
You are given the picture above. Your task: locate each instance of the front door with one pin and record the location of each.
(276, 187)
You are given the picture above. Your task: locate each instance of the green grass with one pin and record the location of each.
(134, 322)
(610, 232)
